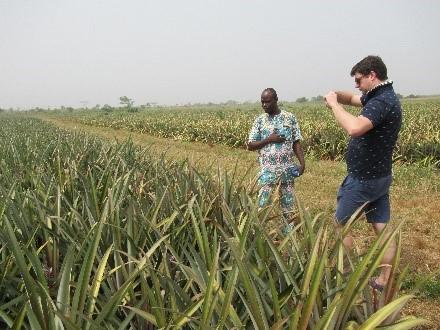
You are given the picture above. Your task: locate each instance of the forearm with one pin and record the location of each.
(273, 138)
(299, 153)
(348, 98)
(256, 145)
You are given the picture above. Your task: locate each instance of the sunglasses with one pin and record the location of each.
(357, 80)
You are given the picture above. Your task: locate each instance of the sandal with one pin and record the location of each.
(374, 285)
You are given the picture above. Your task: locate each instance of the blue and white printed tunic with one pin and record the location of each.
(276, 159)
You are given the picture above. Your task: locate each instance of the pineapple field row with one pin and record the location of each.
(104, 235)
(419, 140)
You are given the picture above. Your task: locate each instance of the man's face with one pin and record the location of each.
(268, 102)
(364, 82)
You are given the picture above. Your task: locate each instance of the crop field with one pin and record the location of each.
(419, 140)
(97, 235)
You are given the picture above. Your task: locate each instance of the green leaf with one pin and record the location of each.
(377, 318)
(145, 315)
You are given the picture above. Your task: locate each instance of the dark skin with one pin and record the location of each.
(270, 105)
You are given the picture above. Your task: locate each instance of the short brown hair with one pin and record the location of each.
(368, 64)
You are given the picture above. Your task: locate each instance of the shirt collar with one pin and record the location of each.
(372, 92)
(384, 83)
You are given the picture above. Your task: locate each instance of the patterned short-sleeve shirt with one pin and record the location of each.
(276, 159)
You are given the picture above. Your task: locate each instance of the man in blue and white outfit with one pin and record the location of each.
(277, 136)
(369, 154)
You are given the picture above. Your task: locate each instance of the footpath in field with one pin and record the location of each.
(414, 196)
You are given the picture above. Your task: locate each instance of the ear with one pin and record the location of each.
(373, 75)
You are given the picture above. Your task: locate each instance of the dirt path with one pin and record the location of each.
(413, 200)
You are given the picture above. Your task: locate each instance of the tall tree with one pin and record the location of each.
(126, 101)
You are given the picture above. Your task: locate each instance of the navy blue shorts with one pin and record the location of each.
(353, 193)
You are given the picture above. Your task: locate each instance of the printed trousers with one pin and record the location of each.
(286, 197)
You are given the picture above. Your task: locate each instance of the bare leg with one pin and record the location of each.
(348, 239)
(348, 243)
(388, 257)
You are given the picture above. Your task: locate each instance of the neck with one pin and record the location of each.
(377, 83)
(380, 83)
(276, 111)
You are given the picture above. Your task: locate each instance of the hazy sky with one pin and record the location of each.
(80, 52)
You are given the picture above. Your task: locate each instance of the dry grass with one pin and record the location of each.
(415, 197)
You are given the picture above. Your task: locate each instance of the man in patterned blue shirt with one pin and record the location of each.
(276, 135)
(369, 154)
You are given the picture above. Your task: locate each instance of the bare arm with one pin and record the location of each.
(273, 138)
(299, 153)
(348, 98)
(355, 126)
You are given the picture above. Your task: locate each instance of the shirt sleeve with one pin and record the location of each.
(296, 132)
(375, 111)
(255, 133)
